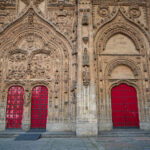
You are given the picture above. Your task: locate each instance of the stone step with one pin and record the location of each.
(125, 133)
(42, 134)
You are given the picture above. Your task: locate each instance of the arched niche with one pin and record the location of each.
(122, 72)
(120, 44)
(126, 64)
(118, 25)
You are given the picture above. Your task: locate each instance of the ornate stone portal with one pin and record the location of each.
(79, 50)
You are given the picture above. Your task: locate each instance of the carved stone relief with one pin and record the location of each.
(86, 76)
(134, 11)
(50, 2)
(103, 11)
(48, 49)
(30, 43)
(17, 66)
(41, 66)
(63, 18)
(7, 12)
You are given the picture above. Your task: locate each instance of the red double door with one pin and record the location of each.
(14, 108)
(39, 107)
(124, 106)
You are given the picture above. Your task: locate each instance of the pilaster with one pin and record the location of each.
(86, 124)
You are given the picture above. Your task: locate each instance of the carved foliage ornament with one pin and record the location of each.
(134, 11)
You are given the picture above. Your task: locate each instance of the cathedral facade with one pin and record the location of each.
(75, 65)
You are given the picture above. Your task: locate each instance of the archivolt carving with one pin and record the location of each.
(8, 84)
(130, 83)
(128, 63)
(119, 21)
(120, 29)
(38, 83)
(39, 54)
(39, 24)
(115, 28)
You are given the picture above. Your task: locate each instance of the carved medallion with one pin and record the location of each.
(103, 11)
(134, 11)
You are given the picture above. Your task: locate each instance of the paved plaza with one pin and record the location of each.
(98, 143)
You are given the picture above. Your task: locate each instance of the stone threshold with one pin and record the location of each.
(125, 133)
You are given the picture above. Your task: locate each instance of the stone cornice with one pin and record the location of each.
(120, 3)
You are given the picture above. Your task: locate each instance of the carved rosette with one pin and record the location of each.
(134, 11)
(103, 11)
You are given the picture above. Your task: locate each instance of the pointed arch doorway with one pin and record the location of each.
(124, 107)
(39, 107)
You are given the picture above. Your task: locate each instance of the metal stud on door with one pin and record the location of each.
(14, 109)
(39, 107)
(124, 106)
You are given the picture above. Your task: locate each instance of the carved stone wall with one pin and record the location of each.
(35, 53)
(79, 50)
(120, 47)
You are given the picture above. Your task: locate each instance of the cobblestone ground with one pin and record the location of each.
(101, 143)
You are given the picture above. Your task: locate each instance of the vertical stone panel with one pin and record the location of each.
(86, 95)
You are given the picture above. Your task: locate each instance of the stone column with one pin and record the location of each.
(86, 122)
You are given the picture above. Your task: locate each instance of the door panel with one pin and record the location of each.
(14, 109)
(124, 106)
(39, 107)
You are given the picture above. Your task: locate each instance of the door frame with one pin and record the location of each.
(129, 83)
(125, 104)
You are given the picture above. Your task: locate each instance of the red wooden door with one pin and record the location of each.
(124, 106)
(39, 107)
(14, 108)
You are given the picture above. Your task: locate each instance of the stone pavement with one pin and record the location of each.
(99, 143)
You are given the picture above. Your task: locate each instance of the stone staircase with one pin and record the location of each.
(112, 133)
(125, 133)
(16, 133)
